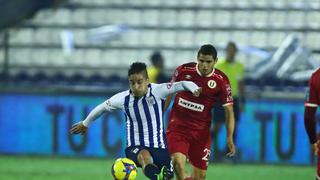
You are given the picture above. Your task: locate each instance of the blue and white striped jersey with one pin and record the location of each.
(144, 122)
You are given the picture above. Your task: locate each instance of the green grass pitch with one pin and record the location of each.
(57, 168)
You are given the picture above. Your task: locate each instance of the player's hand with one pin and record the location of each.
(78, 128)
(231, 147)
(315, 147)
(197, 92)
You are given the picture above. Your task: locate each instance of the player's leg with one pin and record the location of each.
(199, 155)
(178, 147)
(162, 159)
(142, 157)
(179, 165)
(197, 173)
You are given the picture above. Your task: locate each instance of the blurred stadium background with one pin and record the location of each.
(60, 58)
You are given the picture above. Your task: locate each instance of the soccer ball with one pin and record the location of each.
(124, 169)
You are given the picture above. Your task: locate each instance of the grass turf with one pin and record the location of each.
(57, 168)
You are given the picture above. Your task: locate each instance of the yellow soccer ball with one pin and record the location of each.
(124, 169)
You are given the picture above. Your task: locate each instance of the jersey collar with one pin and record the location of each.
(209, 75)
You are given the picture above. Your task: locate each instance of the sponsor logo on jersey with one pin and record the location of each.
(108, 103)
(150, 100)
(191, 105)
(212, 84)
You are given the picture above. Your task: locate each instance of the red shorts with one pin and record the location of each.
(195, 144)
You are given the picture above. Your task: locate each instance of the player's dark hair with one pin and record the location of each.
(208, 49)
(137, 68)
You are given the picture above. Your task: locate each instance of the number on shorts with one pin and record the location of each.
(207, 154)
(171, 166)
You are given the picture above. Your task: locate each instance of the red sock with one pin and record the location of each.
(188, 178)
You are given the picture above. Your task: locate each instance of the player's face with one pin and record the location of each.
(206, 64)
(138, 84)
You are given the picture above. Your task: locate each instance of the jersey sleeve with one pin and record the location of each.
(312, 94)
(176, 75)
(226, 95)
(115, 102)
(165, 89)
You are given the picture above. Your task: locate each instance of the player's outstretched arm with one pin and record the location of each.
(230, 123)
(166, 89)
(192, 87)
(82, 126)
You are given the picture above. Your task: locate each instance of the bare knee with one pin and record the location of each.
(178, 165)
(144, 157)
(178, 169)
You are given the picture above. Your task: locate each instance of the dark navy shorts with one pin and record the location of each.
(160, 156)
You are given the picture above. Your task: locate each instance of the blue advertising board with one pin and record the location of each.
(269, 131)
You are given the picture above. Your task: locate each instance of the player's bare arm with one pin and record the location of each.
(183, 85)
(230, 123)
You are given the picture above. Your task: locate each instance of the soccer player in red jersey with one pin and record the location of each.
(311, 104)
(188, 132)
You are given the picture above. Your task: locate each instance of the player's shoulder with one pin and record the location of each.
(154, 85)
(191, 66)
(219, 74)
(315, 77)
(122, 94)
(316, 72)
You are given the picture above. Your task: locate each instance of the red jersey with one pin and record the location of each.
(193, 112)
(313, 96)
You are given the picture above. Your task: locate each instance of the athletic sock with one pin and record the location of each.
(151, 171)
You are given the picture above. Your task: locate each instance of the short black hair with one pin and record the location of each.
(138, 67)
(208, 49)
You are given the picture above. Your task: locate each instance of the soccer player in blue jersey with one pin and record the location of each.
(143, 106)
